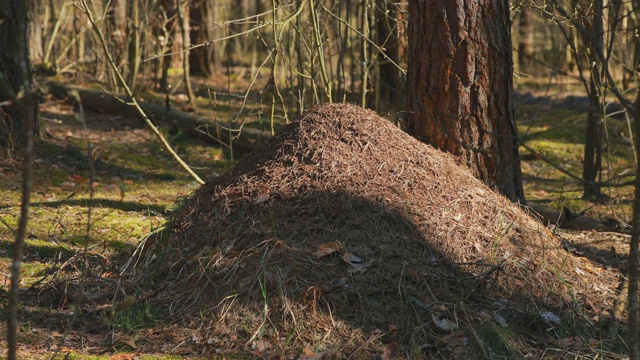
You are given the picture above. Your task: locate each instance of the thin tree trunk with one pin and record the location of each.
(634, 324)
(183, 19)
(594, 129)
(35, 31)
(135, 50)
(388, 39)
(525, 38)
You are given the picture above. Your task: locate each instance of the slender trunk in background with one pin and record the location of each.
(525, 38)
(168, 29)
(387, 35)
(35, 31)
(594, 127)
(634, 324)
(183, 20)
(636, 40)
(134, 53)
(461, 87)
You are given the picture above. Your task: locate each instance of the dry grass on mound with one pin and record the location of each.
(345, 236)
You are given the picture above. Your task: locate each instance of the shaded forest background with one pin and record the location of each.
(282, 57)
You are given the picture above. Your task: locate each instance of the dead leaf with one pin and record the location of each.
(309, 354)
(359, 267)
(570, 342)
(500, 319)
(444, 324)
(456, 339)
(390, 351)
(550, 317)
(326, 249)
(351, 258)
(93, 339)
(125, 357)
(393, 330)
(262, 197)
(78, 178)
(132, 344)
(261, 346)
(356, 262)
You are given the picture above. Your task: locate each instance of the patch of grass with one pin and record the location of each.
(135, 317)
(501, 341)
(80, 356)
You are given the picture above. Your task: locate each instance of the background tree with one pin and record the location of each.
(591, 30)
(460, 86)
(525, 38)
(14, 80)
(18, 113)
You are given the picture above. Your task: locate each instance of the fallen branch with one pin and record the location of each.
(216, 132)
(567, 219)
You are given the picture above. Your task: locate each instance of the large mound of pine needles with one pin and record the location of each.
(345, 236)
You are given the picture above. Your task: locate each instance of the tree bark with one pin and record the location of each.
(461, 89)
(13, 81)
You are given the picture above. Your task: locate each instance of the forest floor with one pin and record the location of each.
(79, 223)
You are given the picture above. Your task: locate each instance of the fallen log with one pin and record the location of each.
(242, 138)
(566, 219)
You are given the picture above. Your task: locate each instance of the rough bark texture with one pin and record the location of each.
(461, 88)
(12, 42)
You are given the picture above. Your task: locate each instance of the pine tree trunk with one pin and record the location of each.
(13, 42)
(461, 88)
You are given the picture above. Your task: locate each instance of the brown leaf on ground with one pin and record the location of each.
(444, 324)
(326, 249)
(390, 351)
(125, 357)
(309, 354)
